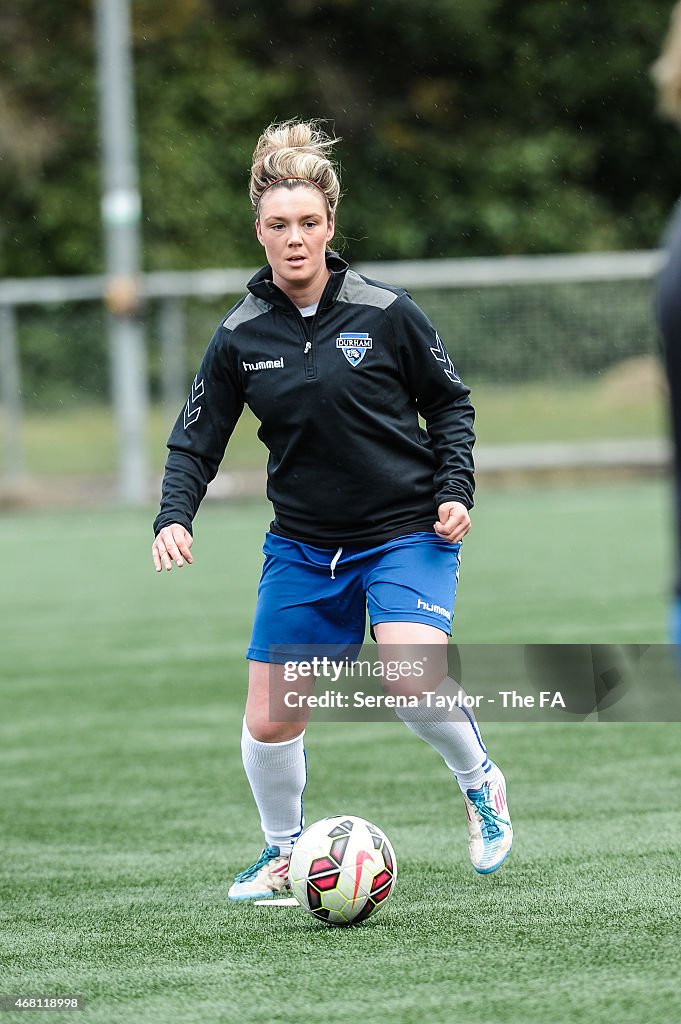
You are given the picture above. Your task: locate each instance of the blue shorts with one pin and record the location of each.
(311, 596)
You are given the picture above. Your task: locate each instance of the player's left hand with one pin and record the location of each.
(454, 521)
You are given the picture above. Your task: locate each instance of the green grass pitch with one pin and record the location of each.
(124, 812)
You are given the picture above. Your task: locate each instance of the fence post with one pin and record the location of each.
(129, 379)
(10, 396)
(172, 331)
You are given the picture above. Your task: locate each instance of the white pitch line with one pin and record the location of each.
(287, 901)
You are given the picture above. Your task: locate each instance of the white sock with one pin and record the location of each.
(475, 778)
(277, 773)
(457, 738)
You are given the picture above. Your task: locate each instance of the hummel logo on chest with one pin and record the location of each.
(264, 364)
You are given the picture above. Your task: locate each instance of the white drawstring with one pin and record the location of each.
(334, 562)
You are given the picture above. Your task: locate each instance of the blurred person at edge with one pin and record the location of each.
(666, 73)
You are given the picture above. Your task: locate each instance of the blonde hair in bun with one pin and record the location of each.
(666, 71)
(295, 153)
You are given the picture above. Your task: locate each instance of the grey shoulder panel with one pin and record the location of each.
(357, 289)
(249, 309)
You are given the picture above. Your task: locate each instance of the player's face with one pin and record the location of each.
(294, 227)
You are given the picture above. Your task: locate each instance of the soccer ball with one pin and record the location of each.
(342, 869)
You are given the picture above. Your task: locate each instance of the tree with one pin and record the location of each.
(469, 127)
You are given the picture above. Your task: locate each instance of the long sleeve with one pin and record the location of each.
(198, 440)
(442, 400)
(668, 310)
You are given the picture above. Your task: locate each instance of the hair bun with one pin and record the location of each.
(295, 150)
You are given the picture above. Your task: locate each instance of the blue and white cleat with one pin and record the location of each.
(490, 833)
(265, 879)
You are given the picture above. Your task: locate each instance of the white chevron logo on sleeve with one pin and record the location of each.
(442, 356)
(192, 409)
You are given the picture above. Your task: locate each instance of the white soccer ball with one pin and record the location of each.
(342, 869)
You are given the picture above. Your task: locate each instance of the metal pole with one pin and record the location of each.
(10, 396)
(172, 331)
(121, 217)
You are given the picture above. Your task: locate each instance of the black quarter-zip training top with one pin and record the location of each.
(338, 406)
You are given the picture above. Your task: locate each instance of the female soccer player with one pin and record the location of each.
(369, 508)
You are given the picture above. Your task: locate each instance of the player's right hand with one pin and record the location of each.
(172, 544)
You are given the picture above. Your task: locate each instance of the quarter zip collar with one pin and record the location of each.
(263, 287)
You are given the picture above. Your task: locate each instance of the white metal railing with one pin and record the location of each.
(477, 272)
(170, 288)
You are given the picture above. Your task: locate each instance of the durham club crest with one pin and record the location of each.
(354, 346)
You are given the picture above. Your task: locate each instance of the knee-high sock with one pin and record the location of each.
(455, 735)
(277, 773)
